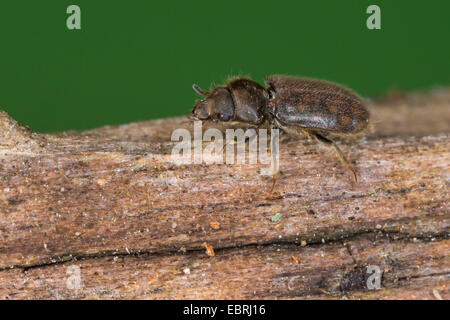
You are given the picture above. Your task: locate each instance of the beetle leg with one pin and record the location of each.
(276, 172)
(250, 139)
(285, 134)
(328, 142)
(285, 137)
(275, 178)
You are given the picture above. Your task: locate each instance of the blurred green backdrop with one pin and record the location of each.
(136, 60)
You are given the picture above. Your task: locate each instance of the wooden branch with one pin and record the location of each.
(105, 213)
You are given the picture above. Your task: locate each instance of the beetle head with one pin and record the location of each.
(216, 105)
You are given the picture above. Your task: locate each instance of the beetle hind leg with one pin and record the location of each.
(328, 142)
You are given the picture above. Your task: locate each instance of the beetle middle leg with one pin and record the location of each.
(274, 150)
(328, 142)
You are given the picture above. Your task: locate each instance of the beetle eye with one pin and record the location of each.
(224, 117)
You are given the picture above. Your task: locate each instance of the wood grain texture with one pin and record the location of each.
(111, 202)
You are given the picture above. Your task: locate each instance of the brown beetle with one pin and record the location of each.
(317, 108)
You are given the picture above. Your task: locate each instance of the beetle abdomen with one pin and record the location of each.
(315, 104)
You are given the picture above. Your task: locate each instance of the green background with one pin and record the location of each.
(136, 60)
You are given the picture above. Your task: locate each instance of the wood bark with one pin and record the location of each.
(106, 214)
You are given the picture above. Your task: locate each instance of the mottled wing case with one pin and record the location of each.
(316, 104)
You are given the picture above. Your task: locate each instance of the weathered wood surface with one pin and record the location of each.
(111, 202)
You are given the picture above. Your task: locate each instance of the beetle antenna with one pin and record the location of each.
(199, 90)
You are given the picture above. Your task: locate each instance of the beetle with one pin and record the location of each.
(295, 105)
